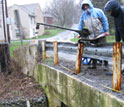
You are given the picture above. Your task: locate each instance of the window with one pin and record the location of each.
(33, 31)
(17, 32)
(32, 20)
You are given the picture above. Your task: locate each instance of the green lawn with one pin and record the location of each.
(110, 39)
(16, 45)
(49, 33)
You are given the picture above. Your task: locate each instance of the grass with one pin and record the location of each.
(16, 45)
(75, 39)
(110, 39)
(48, 33)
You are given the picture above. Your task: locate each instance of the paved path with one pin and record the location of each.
(65, 36)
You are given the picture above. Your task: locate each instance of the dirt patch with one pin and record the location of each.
(15, 84)
(98, 77)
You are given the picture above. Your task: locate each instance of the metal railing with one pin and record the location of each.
(109, 52)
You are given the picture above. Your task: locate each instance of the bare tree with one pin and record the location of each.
(63, 11)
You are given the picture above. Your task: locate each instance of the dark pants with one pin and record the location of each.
(119, 35)
(101, 40)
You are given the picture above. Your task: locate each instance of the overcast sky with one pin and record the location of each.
(20, 2)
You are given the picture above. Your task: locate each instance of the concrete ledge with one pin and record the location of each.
(62, 87)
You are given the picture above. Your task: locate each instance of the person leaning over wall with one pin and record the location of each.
(114, 8)
(96, 22)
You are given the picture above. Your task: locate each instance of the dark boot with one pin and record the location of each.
(93, 65)
(105, 65)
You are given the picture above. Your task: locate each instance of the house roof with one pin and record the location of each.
(28, 8)
(46, 14)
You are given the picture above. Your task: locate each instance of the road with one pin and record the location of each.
(65, 36)
(62, 37)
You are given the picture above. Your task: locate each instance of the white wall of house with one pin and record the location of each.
(39, 19)
(23, 19)
(32, 26)
(28, 22)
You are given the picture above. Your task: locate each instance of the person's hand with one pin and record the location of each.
(106, 33)
(78, 36)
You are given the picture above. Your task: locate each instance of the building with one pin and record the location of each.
(24, 19)
(48, 19)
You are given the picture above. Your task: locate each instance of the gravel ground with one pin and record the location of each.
(15, 86)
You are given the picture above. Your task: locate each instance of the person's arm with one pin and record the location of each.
(117, 34)
(104, 21)
(80, 25)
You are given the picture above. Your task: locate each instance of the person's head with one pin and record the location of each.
(113, 7)
(86, 4)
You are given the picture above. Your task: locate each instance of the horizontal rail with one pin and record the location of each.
(102, 52)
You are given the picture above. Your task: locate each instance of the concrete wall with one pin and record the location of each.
(72, 91)
(62, 87)
(26, 59)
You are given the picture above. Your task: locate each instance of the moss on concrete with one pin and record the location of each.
(61, 87)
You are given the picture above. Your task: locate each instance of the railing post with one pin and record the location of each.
(117, 65)
(44, 49)
(55, 53)
(79, 57)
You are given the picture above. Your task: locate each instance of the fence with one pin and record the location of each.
(109, 52)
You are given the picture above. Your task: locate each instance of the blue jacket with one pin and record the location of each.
(93, 13)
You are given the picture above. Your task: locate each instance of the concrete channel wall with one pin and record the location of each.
(61, 87)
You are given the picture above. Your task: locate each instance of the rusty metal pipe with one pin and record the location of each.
(79, 58)
(44, 49)
(117, 65)
(55, 53)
